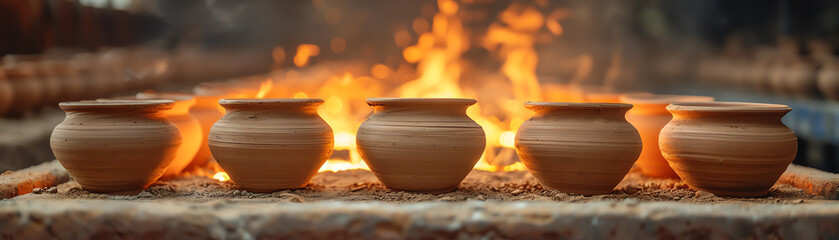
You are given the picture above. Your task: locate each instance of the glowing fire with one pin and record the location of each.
(221, 176)
(440, 69)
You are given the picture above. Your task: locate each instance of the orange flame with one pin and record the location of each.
(221, 176)
(264, 88)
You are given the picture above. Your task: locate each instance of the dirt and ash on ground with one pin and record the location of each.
(362, 185)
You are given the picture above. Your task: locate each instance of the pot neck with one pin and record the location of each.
(579, 110)
(421, 106)
(272, 106)
(147, 109)
(728, 111)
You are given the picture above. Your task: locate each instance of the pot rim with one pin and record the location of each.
(728, 107)
(425, 101)
(268, 101)
(664, 98)
(577, 105)
(116, 104)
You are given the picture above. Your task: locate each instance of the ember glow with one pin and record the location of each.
(221, 176)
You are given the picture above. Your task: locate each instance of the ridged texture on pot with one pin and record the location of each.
(423, 145)
(582, 148)
(115, 146)
(207, 111)
(729, 149)
(189, 126)
(648, 115)
(266, 145)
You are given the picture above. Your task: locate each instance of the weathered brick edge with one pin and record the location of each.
(85, 219)
(48, 174)
(812, 181)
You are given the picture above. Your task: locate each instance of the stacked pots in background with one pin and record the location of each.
(582, 148)
(115, 146)
(648, 115)
(420, 144)
(189, 126)
(6, 93)
(266, 145)
(727, 148)
(27, 89)
(207, 111)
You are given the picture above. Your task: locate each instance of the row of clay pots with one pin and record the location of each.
(29, 82)
(96, 132)
(794, 76)
(430, 145)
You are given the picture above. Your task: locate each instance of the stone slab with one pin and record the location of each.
(84, 219)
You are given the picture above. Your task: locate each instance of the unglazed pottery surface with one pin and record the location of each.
(420, 144)
(207, 111)
(266, 145)
(189, 126)
(729, 149)
(115, 146)
(648, 115)
(582, 148)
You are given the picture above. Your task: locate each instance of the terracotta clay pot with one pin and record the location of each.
(266, 145)
(727, 148)
(116, 146)
(420, 144)
(27, 90)
(189, 126)
(207, 111)
(582, 148)
(648, 116)
(6, 93)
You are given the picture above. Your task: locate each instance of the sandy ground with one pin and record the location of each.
(362, 185)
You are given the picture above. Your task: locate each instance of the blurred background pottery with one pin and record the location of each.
(420, 144)
(27, 89)
(728, 148)
(266, 145)
(581, 148)
(116, 146)
(648, 115)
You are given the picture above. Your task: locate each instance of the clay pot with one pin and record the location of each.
(582, 148)
(6, 93)
(266, 145)
(189, 126)
(648, 116)
(207, 111)
(420, 144)
(728, 148)
(116, 146)
(27, 90)
(828, 81)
